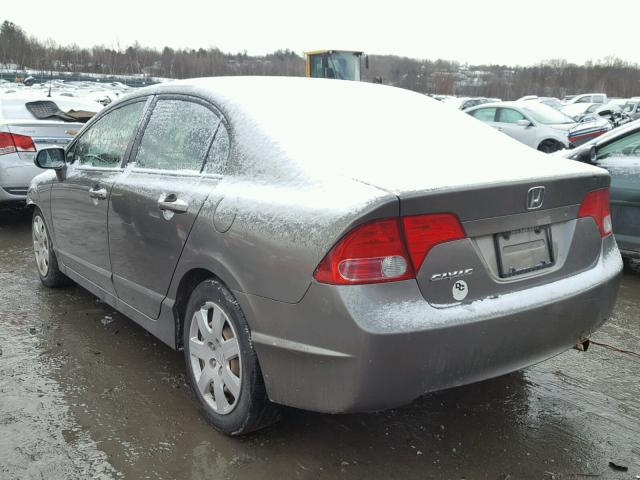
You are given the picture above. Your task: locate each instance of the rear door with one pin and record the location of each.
(173, 168)
(507, 122)
(622, 159)
(79, 202)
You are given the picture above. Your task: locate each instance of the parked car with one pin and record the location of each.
(614, 113)
(536, 125)
(29, 122)
(303, 252)
(583, 112)
(619, 152)
(462, 103)
(632, 108)
(549, 101)
(578, 110)
(586, 98)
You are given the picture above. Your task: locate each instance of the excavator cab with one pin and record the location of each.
(338, 64)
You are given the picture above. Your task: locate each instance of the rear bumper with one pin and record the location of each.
(16, 174)
(371, 347)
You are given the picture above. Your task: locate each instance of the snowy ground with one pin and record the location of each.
(86, 393)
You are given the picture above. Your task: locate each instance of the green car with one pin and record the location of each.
(618, 151)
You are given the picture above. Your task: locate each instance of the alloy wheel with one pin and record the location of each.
(215, 358)
(41, 245)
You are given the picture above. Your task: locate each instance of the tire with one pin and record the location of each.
(45, 257)
(219, 353)
(630, 265)
(550, 146)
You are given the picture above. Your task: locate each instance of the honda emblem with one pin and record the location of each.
(535, 197)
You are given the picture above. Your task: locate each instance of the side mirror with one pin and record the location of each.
(588, 156)
(51, 158)
(523, 123)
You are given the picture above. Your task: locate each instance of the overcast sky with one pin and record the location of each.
(483, 31)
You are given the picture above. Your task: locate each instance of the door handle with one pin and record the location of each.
(173, 204)
(97, 192)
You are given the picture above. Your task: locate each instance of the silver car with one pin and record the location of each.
(28, 122)
(537, 125)
(326, 245)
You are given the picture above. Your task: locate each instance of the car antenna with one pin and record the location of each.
(50, 82)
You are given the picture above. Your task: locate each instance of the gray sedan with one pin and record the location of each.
(325, 245)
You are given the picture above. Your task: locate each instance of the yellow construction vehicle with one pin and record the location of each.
(339, 64)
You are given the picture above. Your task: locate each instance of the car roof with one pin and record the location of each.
(295, 130)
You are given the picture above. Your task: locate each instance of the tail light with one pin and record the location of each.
(596, 206)
(12, 142)
(386, 250)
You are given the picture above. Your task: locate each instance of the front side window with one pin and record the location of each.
(177, 136)
(485, 114)
(585, 99)
(508, 115)
(106, 141)
(628, 146)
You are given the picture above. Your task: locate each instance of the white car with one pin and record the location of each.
(586, 98)
(29, 121)
(538, 125)
(578, 110)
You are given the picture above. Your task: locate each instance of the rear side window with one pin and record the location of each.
(508, 115)
(177, 136)
(219, 152)
(105, 142)
(598, 99)
(485, 114)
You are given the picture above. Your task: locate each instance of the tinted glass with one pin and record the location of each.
(106, 141)
(628, 146)
(177, 136)
(485, 114)
(508, 115)
(219, 152)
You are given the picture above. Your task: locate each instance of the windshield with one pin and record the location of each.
(340, 65)
(547, 115)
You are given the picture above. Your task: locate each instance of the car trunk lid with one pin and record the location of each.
(518, 235)
(44, 134)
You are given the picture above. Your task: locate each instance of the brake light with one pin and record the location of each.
(423, 232)
(596, 206)
(370, 253)
(12, 142)
(386, 250)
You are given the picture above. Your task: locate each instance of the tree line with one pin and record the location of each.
(549, 78)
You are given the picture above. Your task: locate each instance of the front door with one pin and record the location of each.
(79, 203)
(507, 122)
(154, 203)
(622, 159)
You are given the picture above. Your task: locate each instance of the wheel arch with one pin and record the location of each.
(551, 140)
(187, 283)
